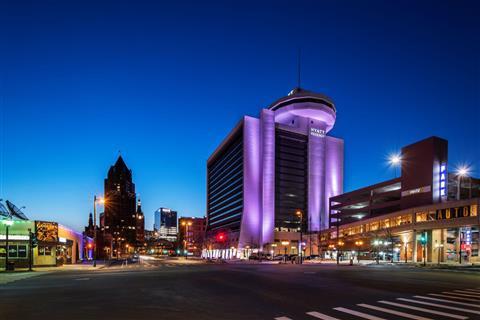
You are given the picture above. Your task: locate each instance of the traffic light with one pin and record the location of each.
(221, 237)
(34, 240)
(423, 240)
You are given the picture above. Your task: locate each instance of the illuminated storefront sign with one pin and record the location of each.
(46, 231)
(443, 180)
(457, 212)
(446, 214)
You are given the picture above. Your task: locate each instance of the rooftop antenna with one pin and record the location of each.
(298, 68)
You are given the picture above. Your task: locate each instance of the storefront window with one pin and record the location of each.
(22, 251)
(44, 251)
(12, 251)
(3, 253)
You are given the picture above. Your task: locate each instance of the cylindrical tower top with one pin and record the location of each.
(305, 104)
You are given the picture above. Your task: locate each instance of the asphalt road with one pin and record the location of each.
(165, 290)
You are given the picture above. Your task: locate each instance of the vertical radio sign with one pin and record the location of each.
(443, 180)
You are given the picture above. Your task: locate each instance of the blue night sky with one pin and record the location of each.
(164, 83)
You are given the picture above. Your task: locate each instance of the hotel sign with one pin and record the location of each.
(317, 132)
(457, 212)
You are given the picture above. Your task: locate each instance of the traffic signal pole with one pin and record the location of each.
(30, 250)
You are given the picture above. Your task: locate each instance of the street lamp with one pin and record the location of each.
(186, 224)
(340, 244)
(462, 172)
(300, 215)
(395, 160)
(285, 244)
(102, 201)
(274, 245)
(7, 224)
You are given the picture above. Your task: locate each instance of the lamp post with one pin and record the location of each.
(95, 200)
(7, 224)
(405, 248)
(274, 245)
(461, 173)
(285, 244)
(340, 244)
(185, 241)
(358, 244)
(300, 215)
(395, 161)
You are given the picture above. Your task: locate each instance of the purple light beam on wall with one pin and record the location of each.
(251, 218)
(267, 131)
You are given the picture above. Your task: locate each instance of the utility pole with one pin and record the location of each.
(30, 249)
(94, 231)
(6, 246)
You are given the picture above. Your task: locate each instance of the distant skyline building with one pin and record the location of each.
(270, 167)
(166, 224)
(120, 215)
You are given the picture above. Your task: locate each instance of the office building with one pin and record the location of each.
(120, 220)
(166, 224)
(272, 176)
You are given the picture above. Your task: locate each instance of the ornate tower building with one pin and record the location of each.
(120, 209)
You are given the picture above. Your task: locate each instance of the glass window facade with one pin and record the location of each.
(225, 186)
(291, 178)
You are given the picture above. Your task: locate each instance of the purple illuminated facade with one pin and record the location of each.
(268, 168)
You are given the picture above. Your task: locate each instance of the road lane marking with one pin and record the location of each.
(81, 279)
(452, 297)
(468, 292)
(440, 313)
(319, 315)
(283, 318)
(449, 301)
(397, 313)
(461, 294)
(358, 314)
(440, 306)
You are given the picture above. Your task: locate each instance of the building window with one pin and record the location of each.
(22, 251)
(12, 251)
(44, 251)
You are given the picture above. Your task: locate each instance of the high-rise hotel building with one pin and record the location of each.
(270, 167)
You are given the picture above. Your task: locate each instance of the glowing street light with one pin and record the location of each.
(186, 224)
(285, 244)
(95, 201)
(462, 172)
(395, 161)
(299, 213)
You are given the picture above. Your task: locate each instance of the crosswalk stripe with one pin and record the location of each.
(319, 315)
(397, 313)
(461, 294)
(449, 301)
(468, 292)
(440, 305)
(283, 318)
(358, 314)
(474, 290)
(452, 297)
(440, 313)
